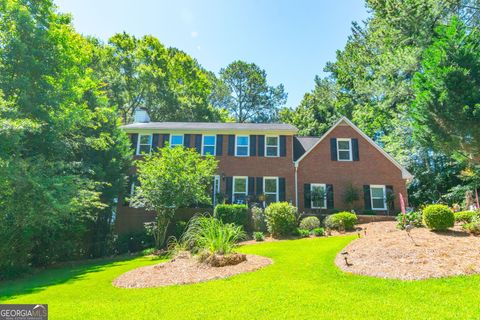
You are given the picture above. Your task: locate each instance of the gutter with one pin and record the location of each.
(296, 184)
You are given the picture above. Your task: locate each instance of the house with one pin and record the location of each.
(268, 162)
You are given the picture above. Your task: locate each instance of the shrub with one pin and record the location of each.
(133, 242)
(258, 219)
(411, 218)
(212, 235)
(280, 218)
(341, 221)
(232, 213)
(258, 236)
(438, 217)
(310, 223)
(318, 232)
(465, 216)
(303, 233)
(473, 226)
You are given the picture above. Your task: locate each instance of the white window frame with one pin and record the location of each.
(312, 185)
(278, 146)
(350, 149)
(379, 186)
(209, 145)
(139, 144)
(216, 188)
(176, 134)
(277, 189)
(248, 145)
(233, 187)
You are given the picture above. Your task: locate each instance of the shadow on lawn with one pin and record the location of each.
(41, 279)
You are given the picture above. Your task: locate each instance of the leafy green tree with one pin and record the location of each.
(250, 98)
(447, 105)
(169, 179)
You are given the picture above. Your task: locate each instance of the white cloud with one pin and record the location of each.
(194, 34)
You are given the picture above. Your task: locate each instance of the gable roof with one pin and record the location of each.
(405, 174)
(211, 126)
(302, 145)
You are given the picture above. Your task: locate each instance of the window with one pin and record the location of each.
(344, 149)
(271, 146)
(176, 140)
(216, 189)
(378, 197)
(270, 189)
(242, 146)
(144, 143)
(318, 196)
(240, 187)
(208, 145)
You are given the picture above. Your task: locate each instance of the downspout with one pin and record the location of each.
(296, 184)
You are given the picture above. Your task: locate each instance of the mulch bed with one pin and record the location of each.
(387, 252)
(185, 270)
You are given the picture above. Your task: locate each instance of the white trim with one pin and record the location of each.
(177, 134)
(233, 187)
(350, 158)
(379, 186)
(278, 146)
(214, 144)
(405, 174)
(216, 182)
(137, 152)
(277, 193)
(248, 145)
(324, 197)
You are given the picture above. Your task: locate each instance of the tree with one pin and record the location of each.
(250, 98)
(169, 179)
(446, 110)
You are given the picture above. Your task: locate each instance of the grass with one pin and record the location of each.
(303, 283)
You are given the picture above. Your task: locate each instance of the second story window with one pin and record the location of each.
(144, 144)
(344, 149)
(271, 146)
(176, 140)
(208, 145)
(242, 146)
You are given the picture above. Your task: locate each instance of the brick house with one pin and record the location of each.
(265, 163)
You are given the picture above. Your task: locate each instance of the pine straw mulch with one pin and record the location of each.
(185, 270)
(387, 252)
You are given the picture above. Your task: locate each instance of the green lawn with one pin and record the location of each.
(303, 283)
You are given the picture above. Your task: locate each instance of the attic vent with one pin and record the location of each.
(141, 116)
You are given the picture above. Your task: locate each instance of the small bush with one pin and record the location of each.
(232, 213)
(258, 236)
(341, 221)
(318, 232)
(438, 217)
(473, 226)
(310, 223)
(465, 216)
(303, 233)
(411, 218)
(258, 219)
(280, 218)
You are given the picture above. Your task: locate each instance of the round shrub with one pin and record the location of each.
(280, 218)
(302, 233)
(310, 223)
(465, 216)
(341, 221)
(438, 217)
(318, 232)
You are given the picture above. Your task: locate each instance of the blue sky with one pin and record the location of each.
(291, 40)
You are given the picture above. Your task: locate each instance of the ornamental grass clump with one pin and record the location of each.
(438, 217)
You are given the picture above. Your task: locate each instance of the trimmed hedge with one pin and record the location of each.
(465, 216)
(438, 217)
(281, 219)
(310, 223)
(341, 221)
(232, 213)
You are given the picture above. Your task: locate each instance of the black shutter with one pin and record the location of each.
(253, 145)
(155, 142)
(281, 189)
(134, 141)
(283, 146)
(329, 196)
(231, 145)
(165, 138)
(198, 143)
(390, 198)
(333, 149)
(229, 189)
(259, 189)
(251, 186)
(261, 145)
(186, 140)
(306, 196)
(366, 197)
(219, 142)
(356, 156)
